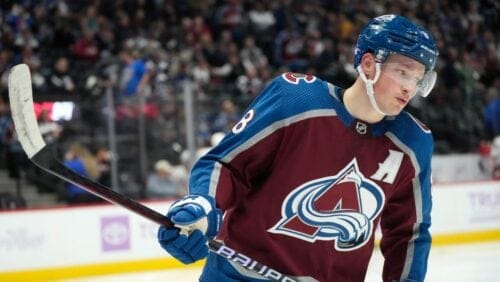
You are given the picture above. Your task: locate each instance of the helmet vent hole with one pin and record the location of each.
(398, 39)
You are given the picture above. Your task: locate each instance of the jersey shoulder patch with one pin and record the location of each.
(296, 78)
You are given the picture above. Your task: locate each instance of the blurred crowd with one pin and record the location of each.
(230, 49)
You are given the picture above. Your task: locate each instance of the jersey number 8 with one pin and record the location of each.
(240, 126)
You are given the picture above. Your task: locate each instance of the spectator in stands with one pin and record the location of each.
(62, 37)
(230, 16)
(224, 59)
(103, 158)
(133, 72)
(135, 75)
(79, 159)
(288, 49)
(60, 79)
(250, 83)
(15, 158)
(492, 128)
(201, 71)
(323, 62)
(251, 55)
(50, 130)
(496, 157)
(26, 39)
(261, 19)
(86, 48)
(492, 113)
(227, 117)
(199, 28)
(161, 184)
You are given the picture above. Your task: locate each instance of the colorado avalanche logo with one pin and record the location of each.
(341, 208)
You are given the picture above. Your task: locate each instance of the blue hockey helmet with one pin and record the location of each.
(390, 34)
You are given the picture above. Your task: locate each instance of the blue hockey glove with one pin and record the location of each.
(187, 249)
(197, 219)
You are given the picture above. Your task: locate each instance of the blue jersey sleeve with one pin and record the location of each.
(406, 221)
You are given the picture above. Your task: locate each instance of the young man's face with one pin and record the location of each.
(398, 82)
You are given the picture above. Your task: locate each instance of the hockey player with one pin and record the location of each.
(311, 169)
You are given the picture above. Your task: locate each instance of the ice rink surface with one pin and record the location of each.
(472, 263)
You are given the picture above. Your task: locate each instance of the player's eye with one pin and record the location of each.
(402, 72)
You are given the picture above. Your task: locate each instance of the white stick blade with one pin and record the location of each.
(23, 112)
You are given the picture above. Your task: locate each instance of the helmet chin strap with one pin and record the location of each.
(369, 87)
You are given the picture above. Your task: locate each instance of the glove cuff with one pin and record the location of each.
(214, 215)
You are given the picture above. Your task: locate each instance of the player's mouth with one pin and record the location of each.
(402, 101)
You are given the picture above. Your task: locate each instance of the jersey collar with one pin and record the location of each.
(360, 127)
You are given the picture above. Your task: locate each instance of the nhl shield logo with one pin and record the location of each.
(361, 128)
(341, 208)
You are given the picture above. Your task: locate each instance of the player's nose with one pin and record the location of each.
(407, 90)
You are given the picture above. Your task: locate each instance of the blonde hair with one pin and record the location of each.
(163, 165)
(88, 160)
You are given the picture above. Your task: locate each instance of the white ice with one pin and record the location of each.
(468, 263)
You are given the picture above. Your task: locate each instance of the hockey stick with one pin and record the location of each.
(28, 133)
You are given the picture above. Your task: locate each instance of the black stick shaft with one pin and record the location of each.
(61, 171)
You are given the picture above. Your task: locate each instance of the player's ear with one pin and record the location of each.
(368, 65)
